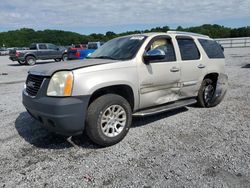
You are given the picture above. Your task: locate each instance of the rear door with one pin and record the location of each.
(192, 68)
(159, 80)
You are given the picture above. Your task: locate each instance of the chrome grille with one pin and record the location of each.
(33, 84)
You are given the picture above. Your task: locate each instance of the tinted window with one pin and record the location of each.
(92, 46)
(212, 48)
(119, 48)
(42, 47)
(33, 47)
(52, 47)
(165, 45)
(188, 49)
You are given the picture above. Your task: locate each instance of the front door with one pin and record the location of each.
(42, 52)
(159, 79)
(54, 52)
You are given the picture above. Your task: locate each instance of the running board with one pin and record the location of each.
(167, 107)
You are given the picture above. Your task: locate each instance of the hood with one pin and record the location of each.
(49, 69)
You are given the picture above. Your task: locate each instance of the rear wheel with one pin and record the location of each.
(30, 60)
(206, 93)
(109, 118)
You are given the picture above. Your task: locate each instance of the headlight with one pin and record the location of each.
(61, 84)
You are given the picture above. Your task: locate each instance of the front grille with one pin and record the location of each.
(33, 84)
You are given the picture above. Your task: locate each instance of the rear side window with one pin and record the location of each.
(52, 47)
(188, 49)
(212, 48)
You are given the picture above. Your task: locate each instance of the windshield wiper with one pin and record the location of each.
(104, 57)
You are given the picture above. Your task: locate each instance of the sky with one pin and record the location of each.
(100, 16)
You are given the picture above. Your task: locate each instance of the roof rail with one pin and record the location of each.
(187, 33)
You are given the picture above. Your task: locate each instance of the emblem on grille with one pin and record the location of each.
(31, 84)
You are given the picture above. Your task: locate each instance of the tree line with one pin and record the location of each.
(25, 36)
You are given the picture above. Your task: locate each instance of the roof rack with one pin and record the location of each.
(187, 33)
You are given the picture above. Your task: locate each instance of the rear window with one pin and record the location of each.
(212, 48)
(188, 49)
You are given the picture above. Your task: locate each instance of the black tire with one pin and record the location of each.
(57, 60)
(96, 110)
(64, 57)
(206, 93)
(30, 60)
(22, 62)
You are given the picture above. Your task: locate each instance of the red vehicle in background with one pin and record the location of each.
(75, 51)
(79, 47)
(83, 50)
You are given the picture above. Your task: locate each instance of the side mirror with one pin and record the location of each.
(155, 54)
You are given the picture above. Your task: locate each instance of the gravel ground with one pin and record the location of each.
(189, 147)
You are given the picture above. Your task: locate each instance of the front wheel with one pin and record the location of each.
(206, 94)
(64, 57)
(109, 118)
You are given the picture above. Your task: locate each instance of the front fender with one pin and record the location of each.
(88, 83)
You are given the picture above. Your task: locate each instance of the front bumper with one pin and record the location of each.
(62, 115)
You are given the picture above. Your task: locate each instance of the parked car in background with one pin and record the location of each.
(82, 51)
(38, 51)
(4, 51)
(136, 75)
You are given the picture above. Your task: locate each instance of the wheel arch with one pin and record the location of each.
(213, 76)
(32, 55)
(123, 90)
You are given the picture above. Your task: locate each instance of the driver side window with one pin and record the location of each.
(52, 47)
(165, 45)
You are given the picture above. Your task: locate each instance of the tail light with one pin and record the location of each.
(17, 54)
(77, 54)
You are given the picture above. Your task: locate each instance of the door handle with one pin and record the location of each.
(175, 69)
(201, 66)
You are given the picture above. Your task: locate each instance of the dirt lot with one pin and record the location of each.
(190, 147)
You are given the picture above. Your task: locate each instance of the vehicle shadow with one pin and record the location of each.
(246, 66)
(33, 133)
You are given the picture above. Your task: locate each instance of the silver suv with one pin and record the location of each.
(136, 75)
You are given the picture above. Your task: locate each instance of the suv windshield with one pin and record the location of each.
(123, 48)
